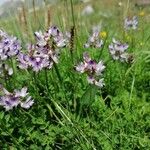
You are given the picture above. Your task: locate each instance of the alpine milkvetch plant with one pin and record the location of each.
(45, 52)
(10, 100)
(92, 69)
(94, 39)
(118, 50)
(131, 23)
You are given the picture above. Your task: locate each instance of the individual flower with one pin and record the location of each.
(87, 10)
(5, 69)
(38, 63)
(131, 23)
(41, 38)
(118, 50)
(28, 103)
(2, 34)
(100, 83)
(142, 14)
(103, 34)
(18, 97)
(9, 101)
(23, 60)
(21, 93)
(120, 4)
(94, 39)
(92, 69)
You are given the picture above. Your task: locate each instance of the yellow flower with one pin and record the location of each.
(142, 13)
(141, 43)
(103, 34)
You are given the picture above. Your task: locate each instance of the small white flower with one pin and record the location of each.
(131, 23)
(27, 104)
(86, 45)
(22, 93)
(6, 92)
(90, 80)
(87, 10)
(100, 83)
(41, 41)
(10, 71)
(99, 44)
(117, 50)
(81, 67)
(100, 68)
(61, 43)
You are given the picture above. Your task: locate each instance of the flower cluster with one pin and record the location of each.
(9, 46)
(34, 59)
(94, 40)
(92, 69)
(45, 52)
(18, 97)
(118, 50)
(131, 23)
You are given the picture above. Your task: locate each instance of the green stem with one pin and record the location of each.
(46, 79)
(58, 73)
(35, 83)
(72, 13)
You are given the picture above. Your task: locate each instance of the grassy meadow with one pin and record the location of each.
(68, 112)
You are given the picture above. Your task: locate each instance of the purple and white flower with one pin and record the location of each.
(9, 101)
(94, 39)
(23, 60)
(28, 103)
(9, 46)
(38, 63)
(18, 97)
(92, 69)
(131, 23)
(87, 10)
(118, 50)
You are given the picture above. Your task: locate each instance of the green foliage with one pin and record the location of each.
(68, 114)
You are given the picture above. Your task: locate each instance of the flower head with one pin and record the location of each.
(87, 10)
(92, 69)
(9, 46)
(131, 23)
(94, 40)
(118, 50)
(18, 97)
(28, 103)
(103, 34)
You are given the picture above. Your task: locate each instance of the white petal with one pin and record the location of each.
(22, 93)
(10, 71)
(100, 83)
(27, 104)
